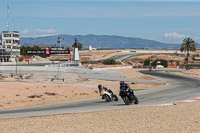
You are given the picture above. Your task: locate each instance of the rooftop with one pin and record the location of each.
(10, 32)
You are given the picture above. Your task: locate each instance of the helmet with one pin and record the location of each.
(99, 86)
(121, 83)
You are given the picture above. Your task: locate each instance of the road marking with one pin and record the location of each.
(175, 103)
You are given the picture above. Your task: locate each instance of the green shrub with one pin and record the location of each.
(129, 63)
(111, 62)
(154, 63)
(162, 62)
(147, 62)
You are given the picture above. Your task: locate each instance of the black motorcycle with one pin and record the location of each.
(128, 96)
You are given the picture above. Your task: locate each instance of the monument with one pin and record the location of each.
(76, 54)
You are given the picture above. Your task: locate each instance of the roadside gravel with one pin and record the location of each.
(181, 118)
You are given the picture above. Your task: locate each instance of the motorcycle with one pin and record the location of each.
(129, 97)
(108, 95)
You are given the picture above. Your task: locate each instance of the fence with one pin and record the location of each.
(176, 67)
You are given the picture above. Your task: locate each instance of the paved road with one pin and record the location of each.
(178, 88)
(123, 56)
(86, 73)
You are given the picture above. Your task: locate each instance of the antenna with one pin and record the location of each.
(8, 17)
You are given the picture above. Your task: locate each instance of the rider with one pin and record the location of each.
(102, 88)
(125, 87)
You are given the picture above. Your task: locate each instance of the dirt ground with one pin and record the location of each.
(37, 90)
(180, 118)
(194, 73)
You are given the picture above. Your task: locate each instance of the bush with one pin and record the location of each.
(154, 63)
(129, 63)
(162, 62)
(147, 62)
(111, 62)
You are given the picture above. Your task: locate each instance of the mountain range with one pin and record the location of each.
(98, 41)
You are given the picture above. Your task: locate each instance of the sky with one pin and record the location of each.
(167, 21)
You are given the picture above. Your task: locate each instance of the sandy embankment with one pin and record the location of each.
(194, 73)
(181, 118)
(36, 91)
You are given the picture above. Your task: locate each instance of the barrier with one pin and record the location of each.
(173, 67)
(143, 67)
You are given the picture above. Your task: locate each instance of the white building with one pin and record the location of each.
(91, 48)
(9, 46)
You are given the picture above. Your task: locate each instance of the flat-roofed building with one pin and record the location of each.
(10, 45)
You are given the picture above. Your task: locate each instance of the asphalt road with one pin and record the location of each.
(86, 73)
(178, 88)
(123, 56)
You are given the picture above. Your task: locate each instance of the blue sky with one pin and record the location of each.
(163, 20)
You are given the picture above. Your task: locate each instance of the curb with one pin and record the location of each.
(175, 103)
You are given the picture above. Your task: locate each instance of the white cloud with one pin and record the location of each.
(118, 29)
(177, 38)
(25, 31)
(50, 30)
(39, 32)
(177, 35)
(174, 35)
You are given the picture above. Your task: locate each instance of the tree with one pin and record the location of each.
(171, 62)
(193, 58)
(111, 62)
(79, 45)
(188, 45)
(147, 62)
(162, 62)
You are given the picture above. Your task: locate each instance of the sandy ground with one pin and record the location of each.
(132, 73)
(180, 118)
(37, 90)
(194, 73)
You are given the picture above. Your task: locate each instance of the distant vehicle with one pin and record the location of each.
(150, 68)
(159, 66)
(1, 74)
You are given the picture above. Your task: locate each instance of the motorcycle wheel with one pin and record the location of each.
(126, 100)
(115, 97)
(107, 98)
(136, 100)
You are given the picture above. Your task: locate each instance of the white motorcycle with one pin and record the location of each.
(108, 95)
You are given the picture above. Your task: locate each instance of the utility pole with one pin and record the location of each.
(58, 73)
(98, 45)
(32, 42)
(16, 64)
(8, 17)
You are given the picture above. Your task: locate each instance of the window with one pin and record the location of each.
(8, 41)
(16, 41)
(15, 47)
(15, 35)
(7, 35)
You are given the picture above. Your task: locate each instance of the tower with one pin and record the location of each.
(76, 54)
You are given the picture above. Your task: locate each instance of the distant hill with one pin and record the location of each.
(99, 41)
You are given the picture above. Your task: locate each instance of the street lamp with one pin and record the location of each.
(16, 59)
(99, 45)
(58, 42)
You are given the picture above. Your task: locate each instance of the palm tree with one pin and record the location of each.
(187, 46)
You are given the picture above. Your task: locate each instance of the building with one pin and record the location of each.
(9, 46)
(91, 48)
